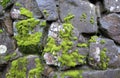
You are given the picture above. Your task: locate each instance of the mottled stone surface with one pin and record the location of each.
(110, 25)
(84, 12)
(112, 6)
(49, 11)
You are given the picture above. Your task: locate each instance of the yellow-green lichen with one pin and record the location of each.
(18, 68)
(36, 72)
(72, 74)
(26, 12)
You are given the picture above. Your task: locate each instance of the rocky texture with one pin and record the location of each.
(59, 39)
(112, 6)
(110, 25)
(85, 15)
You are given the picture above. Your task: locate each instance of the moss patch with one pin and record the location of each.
(4, 2)
(36, 72)
(18, 69)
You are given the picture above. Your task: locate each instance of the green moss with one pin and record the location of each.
(10, 56)
(43, 23)
(93, 39)
(102, 41)
(4, 2)
(71, 59)
(36, 72)
(69, 17)
(28, 43)
(18, 4)
(92, 20)
(104, 60)
(1, 31)
(18, 69)
(72, 74)
(83, 17)
(84, 45)
(45, 13)
(26, 12)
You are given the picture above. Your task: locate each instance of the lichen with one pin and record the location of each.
(72, 74)
(83, 17)
(18, 69)
(26, 12)
(36, 72)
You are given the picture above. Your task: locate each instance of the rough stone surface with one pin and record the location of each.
(112, 6)
(110, 25)
(49, 11)
(84, 12)
(111, 52)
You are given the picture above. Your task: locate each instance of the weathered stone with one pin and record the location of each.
(112, 6)
(28, 4)
(29, 66)
(49, 11)
(103, 54)
(84, 15)
(110, 73)
(1, 10)
(110, 26)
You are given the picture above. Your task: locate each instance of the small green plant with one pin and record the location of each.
(43, 23)
(45, 13)
(93, 39)
(83, 17)
(18, 4)
(84, 45)
(102, 41)
(92, 20)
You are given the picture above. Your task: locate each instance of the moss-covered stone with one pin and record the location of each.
(36, 72)
(18, 69)
(4, 2)
(28, 43)
(10, 56)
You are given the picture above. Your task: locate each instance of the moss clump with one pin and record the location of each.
(71, 59)
(18, 69)
(45, 13)
(92, 20)
(68, 17)
(36, 72)
(83, 17)
(18, 4)
(4, 2)
(1, 31)
(43, 23)
(104, 60)
(26, 12)
(72, 74)
(102, 41)
(82, 45)
(93, 39)
(28, 43)
(10, 56)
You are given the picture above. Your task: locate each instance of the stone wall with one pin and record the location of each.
(60, 39)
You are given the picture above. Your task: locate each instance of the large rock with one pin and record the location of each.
(28, 4)
(103, 54)
(112, 6)
(49, 11)
(65, 48)
(110, 26)
(84, 15)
